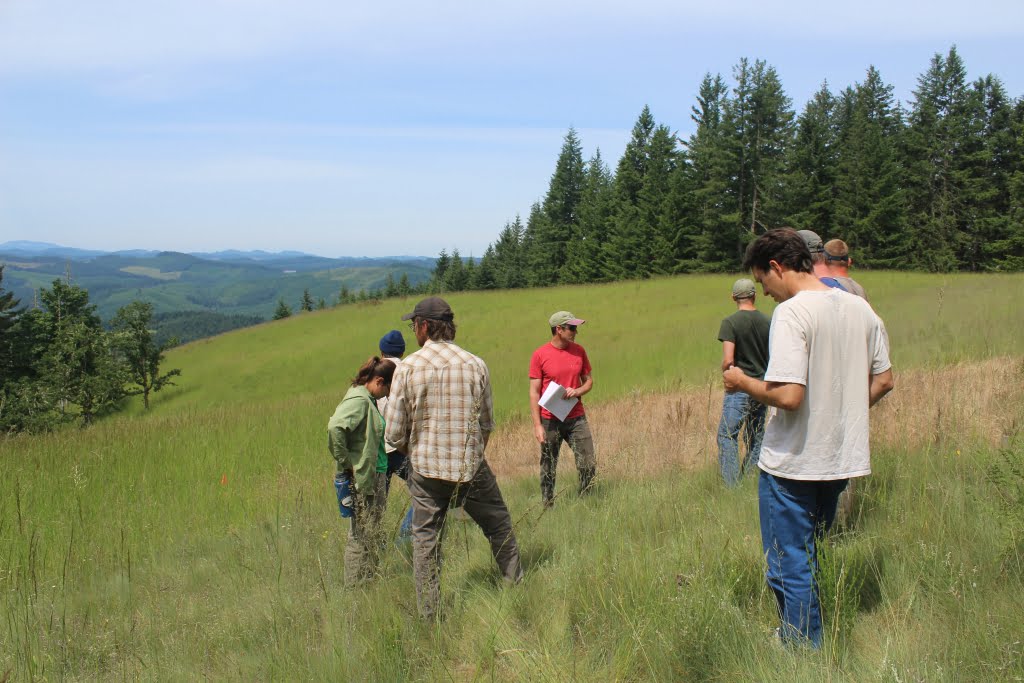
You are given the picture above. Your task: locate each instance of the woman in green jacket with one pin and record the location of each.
(355, 435)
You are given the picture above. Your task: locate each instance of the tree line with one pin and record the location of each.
(59, 364)
(936, 186)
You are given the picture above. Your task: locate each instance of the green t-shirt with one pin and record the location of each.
(748, 330)
(382, 454)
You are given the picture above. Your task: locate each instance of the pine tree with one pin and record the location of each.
(583, 253)
(456, 279)
(811, 166)
(653, 200)
(939, 122)
(306, 304)
(870, 203)
(509, 257)
(699, 199)
(390, 287)
(438, 278)
(626, 253)
(139, 350)
(551, 236)
(760, 129)
(9, 312)
(283, 311)
(404, 289)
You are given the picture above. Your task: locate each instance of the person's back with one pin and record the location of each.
(826, 437)
(440, 414)
(748, 330)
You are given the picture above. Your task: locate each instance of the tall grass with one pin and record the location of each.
(202, 540)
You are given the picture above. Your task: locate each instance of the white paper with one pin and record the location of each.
(555, 402)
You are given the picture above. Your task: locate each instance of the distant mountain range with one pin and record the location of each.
(230, 283)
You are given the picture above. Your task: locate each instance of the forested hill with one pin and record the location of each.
(228, 288)
(935, 185)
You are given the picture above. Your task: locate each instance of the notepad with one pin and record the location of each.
(555, 402)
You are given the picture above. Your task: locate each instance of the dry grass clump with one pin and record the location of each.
(648, 433)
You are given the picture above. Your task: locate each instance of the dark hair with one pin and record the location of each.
(438, 330)
(373, 368)
(784, 246)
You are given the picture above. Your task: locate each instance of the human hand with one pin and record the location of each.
(732, 379)
(538, 432)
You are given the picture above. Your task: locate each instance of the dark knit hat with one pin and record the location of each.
(392, 344)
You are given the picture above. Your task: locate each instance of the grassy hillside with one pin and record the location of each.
(652, 335)
(202, 540)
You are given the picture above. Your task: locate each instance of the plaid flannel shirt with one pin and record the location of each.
(440, 411)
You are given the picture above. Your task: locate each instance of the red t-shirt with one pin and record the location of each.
(563, 366)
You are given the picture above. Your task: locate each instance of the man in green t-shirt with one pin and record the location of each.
(744, 337)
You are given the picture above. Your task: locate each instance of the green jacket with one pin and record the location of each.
(354, 435)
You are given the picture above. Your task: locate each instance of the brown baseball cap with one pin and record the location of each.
(431, 308)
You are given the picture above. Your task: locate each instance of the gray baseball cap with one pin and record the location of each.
(813, 242)
(743, 288)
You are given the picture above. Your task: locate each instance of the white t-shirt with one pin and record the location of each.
(831, 342)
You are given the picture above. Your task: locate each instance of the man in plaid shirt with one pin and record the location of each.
(440, 414)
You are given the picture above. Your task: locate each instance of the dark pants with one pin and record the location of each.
(576, 432)
(481, 499)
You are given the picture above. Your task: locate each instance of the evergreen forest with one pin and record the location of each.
(936, 185)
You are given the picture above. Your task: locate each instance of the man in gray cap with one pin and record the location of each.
(563, 361)
(744, 337)
(440, 414)
(817, 249)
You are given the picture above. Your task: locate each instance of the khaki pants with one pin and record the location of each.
(362, 551)
(482, 501)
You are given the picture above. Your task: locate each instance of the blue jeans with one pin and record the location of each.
(794, 516)
(739, 411)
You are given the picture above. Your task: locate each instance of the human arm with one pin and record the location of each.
(587, 383)
(538, 428)
(879, 385)
(728, 355)
(784, 395)
(396, 419)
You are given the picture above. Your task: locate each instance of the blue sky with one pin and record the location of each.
(391, 128)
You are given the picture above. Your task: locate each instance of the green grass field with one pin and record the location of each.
(202, 540)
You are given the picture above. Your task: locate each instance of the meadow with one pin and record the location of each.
(201, 539)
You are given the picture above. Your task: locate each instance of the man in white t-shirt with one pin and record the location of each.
(828, 363)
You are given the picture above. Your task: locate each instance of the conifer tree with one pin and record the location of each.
(456, 279)
(760, 122)
(142, 354)
(870, 203)
(811, 167)
(626, 253)
(700, 203)
(583, 253)
(307, 301)
(509, 256)
(283, 311)
(553, 231)
(939, 122)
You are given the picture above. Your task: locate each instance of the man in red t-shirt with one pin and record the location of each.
(564, 362)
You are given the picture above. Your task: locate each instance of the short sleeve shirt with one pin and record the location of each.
(563, 366)
(748, 330)
(831, 342)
